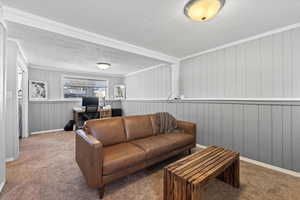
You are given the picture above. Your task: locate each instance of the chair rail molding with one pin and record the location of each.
(243, 101)
(28, 19)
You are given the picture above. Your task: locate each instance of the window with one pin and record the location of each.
(83, 87)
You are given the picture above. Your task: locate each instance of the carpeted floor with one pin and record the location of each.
(47, 170)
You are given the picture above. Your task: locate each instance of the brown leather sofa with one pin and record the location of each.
(112, 148)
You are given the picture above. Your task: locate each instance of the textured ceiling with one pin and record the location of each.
(48, 49)
(160, 25)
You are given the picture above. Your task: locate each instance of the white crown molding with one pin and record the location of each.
(56, 69)
(146, 69)
(272, 32)
(28, 19)
(262, 164)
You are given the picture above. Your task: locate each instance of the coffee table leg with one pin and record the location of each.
(236, 168)
(196, 192)
(232, 174)
(166, 185)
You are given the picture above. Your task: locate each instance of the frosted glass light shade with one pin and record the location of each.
(203, 10)
(103, 66)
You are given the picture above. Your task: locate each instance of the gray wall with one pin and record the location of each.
(2, 102)
(263, 131)
(263, 68)
(150, 84)
(11, 136)
(266, 131)
(55, 113)
(51, 115)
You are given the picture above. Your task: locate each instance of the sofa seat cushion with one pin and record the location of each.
(154, 145)
(179, 139)
(121, 156)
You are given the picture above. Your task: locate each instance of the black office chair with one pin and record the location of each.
(91, 108)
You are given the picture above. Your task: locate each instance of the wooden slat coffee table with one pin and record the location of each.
(184, 179)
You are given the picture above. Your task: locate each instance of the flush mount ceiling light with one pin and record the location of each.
(103, 66)
(203, 10)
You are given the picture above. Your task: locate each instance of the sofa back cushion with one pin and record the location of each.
(138, 127)
(108, 131)
(155, 126)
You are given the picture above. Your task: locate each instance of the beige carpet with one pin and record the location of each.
(47, 170)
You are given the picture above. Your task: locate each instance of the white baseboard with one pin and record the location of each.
(262, 164)
(10, 159)
(2, 186)
(46, 131)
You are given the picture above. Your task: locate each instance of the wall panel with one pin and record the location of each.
(264, 68)
(150, 84)
(50, 115)
(295, 138)
(261, 131)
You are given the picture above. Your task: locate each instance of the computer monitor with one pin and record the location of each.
(86, 101)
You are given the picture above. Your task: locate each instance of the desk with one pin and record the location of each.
(77, 110)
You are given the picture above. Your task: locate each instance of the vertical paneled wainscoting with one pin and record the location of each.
(266, 131)
(51, 115)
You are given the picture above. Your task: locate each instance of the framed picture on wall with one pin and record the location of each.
(119, 92)
(38, 90)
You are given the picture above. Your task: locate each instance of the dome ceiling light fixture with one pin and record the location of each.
(103, 66)
(203, 10)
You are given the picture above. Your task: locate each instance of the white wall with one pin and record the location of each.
(12, 135)
(2, 101)
(151, 84)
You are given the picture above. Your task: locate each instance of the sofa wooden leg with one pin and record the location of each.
(101, 192)
(190, 151)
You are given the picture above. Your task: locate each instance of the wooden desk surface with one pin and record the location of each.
(82, 109)
(77, 111)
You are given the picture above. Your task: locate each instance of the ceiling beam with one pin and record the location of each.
(74, 70)
(28, 19)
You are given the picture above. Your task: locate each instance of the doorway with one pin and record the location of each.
(20, 73)
(22, 98)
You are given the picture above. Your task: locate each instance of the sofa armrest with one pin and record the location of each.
(188, 127)
(89, 157)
